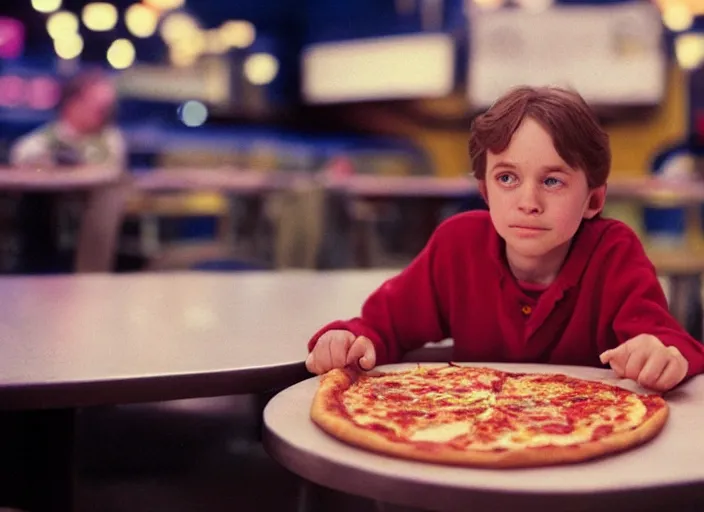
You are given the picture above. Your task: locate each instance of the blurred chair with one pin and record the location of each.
(298, 218)
(683, 270)
(210, 256)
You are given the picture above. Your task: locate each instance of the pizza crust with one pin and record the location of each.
(327, 414)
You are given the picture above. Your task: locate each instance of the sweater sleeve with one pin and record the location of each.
(641, 306)
(32, 149)
(404, 313)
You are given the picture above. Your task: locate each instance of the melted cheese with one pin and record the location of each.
(441, 433)
(465, 398)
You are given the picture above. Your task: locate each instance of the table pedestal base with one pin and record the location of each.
(37, 468)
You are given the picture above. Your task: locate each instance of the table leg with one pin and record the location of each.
(686, 303)
(37, 472)
(316, 498)
(260, 401)
(309, 497)
(100, 228)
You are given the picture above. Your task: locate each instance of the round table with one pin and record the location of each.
(98, 339)
(106, 190)
(666, 473)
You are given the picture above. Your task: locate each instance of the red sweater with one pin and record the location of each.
(460, 287)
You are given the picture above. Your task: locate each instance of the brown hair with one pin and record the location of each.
(576, 133)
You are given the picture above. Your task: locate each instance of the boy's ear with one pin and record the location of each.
(597, 198)
(482, 190)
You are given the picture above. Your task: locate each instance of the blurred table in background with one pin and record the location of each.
(106, 190)
(192, 191)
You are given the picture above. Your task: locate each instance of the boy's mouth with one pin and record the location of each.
(528, 228)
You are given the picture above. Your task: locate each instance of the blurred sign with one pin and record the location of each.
(612, 55)
(26, 91)
(208, 82)
(393, 67)
(11, 38)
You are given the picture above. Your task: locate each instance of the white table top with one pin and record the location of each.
(93, 339)
(224, 180)
(56, 180)
(672, 460)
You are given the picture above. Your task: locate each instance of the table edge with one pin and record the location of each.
(402, 491)
(77, 394)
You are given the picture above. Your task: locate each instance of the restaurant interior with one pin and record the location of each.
(215, 141)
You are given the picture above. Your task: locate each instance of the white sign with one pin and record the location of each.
(612, 55)
(393, 67)
(208, 82)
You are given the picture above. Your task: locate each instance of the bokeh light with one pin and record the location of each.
(46, 6)
(62, 24)
(121, 54)
(677, 16)
(689, 50)
(165, 5)
(141, 21)
(68, 46)
(11, 90)
(261, 68)
(99, 16)
(178, 26)
(237, 34)
(193, 113)
(42, 93)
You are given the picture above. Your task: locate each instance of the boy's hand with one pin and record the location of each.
(647, 361)
(337, 349)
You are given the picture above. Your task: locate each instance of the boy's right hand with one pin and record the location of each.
(337, 349)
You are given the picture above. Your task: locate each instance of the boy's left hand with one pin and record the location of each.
(647, 361)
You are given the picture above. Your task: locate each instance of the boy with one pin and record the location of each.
(84, 133)
(541, 277)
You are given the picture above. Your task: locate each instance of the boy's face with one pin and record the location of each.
(89, 111)
(536, 200)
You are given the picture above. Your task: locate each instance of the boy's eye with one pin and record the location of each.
(552, 182)
(506, 179)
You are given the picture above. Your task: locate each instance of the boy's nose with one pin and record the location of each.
(529, 201)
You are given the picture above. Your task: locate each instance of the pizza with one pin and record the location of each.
(477, 416)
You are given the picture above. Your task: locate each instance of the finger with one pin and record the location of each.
(669, 377)
(606, 356)
(616, 358)
(672, 375)
(618, 369)
(635, 363)
(362, 354)
(356, 353)
(310, 363)
(321, 353)
(313, 363)
(652, 369)
(682, 362)
(339, 346)
(369, 358)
